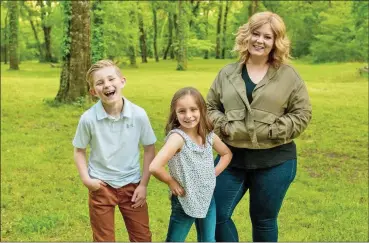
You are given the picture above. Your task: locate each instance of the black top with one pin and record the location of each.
(260, 158)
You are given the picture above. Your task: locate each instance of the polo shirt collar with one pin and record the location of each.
(126, 112)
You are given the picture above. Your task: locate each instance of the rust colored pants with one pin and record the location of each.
(102, 206)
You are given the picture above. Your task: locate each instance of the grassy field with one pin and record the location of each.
(43, 199)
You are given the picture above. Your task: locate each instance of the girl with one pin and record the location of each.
(191, 177)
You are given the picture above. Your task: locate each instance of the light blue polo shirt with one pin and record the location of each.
(114, 143)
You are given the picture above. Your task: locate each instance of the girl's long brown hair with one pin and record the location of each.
(204, 126)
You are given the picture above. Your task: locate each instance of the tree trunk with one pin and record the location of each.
(253, 7)
(170, 33)
(182, 37)
(225, 29)
(37, 39)
(73, 85)
(131, 45)
(155, 31)
(219, 31)
(46, 28)
(142, 36)
(6, 43)
(34, 30)
(206, 13)
(195, 11)
(173, 53)
(13, 35)
(97, 40)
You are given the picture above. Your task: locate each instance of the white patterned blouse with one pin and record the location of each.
(193, 168)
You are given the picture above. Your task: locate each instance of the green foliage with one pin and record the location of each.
(337, 38)
(318, 31)
(97, 39)
(66, 42)
(182, 36)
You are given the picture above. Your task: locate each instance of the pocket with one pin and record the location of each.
(96, 191)
(262, 120)
(235, 115)
(236, 126)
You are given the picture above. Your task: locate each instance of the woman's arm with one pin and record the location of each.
(215, 107)
(224, 152)
(298, 116)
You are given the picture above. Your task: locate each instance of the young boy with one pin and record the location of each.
(114, 127)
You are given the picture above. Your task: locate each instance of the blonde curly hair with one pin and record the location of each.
(280, 52)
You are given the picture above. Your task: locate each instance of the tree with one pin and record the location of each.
(97, 40)
(13, 35)
(30, 14)
(142, 35)
(335, 36)
(206, 23)
(132, 37)
(253, 7)
(219, 31)
(170, 35)
(224, 39)
(195, 12)
(46, 27)
(154, 22)
(4, 37)
(182, 37)
(76, 54)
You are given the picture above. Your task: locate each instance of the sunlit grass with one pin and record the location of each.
(43, 199)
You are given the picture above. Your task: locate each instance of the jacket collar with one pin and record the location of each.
(235, 77)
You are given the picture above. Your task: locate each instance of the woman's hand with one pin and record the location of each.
(225, 129)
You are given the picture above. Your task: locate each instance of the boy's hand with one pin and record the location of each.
(176, 188)
(93, 184)
(139, 196)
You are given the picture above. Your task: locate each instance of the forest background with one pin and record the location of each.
(47, 46)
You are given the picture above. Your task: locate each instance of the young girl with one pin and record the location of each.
(191, 177)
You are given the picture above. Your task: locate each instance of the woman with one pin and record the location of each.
(258, 106)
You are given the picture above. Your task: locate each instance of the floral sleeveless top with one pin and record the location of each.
(193, 168)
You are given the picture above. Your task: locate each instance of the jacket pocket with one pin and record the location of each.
(236, 127)
(262, 120)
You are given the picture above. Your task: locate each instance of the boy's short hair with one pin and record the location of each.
(97, 66)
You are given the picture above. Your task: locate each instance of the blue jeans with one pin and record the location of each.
(267, 188)
(180, 224)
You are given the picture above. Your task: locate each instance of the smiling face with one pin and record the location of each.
(187, 112)
(107, 85)
(262, 41)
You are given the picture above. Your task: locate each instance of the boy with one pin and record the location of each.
(113, 128)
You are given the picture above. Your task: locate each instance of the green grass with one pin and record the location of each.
(43, 199)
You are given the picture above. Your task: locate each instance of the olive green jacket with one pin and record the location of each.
(280, 110)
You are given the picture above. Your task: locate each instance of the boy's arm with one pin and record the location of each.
(80, 160)
(224, 152)
(149, 155)
(139, 195)
(170, 148)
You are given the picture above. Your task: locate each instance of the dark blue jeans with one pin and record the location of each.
(267, 188)
(180, 224)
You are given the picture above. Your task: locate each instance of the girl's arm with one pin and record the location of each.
(170, 148)
(224, 152)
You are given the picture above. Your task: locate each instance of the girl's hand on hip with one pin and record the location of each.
(176, 188)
